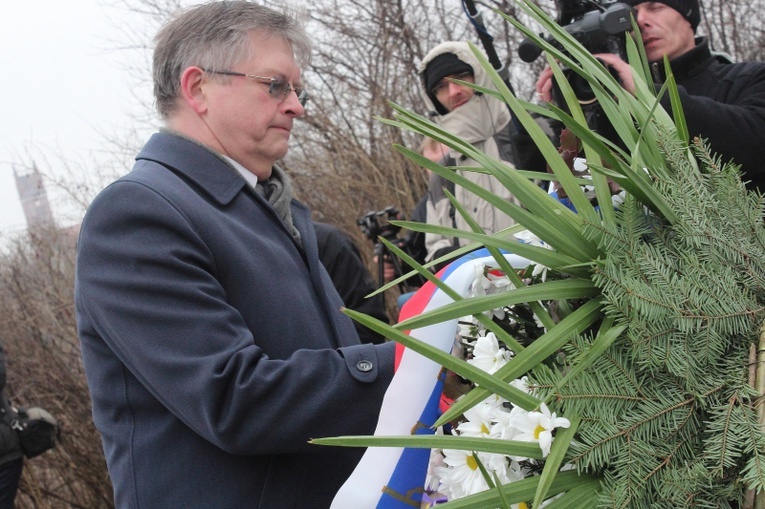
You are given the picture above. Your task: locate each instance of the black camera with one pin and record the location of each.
(373, 228)
(599, 25)
(377, 224)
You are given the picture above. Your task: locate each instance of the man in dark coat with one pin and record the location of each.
(340, 256)
(723, 102)
(11, 456)
(212, 337)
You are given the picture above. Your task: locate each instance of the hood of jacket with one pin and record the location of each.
(481, 117)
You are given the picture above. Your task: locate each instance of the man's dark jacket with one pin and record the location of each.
(213, 342)
(340, 256)
(724, 103)
(10, 448)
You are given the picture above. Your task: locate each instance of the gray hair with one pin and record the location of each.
(215, 36)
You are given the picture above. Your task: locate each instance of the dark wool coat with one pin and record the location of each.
(214, 344)
(10, 448)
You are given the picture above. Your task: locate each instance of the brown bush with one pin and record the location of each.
(45, 370)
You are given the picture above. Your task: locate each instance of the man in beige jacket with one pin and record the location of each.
(479, 119)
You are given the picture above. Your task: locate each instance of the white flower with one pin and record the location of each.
(480, 283)
(539, 269)
(436, 461)
(462, 476)
(499, 313)
(487, 355)
(538, 427)
(504, 427)
(503, 283)
(498, 282)
(467, 327)
(497, 403)
(479, 420)
(522, 384)
(527, 237)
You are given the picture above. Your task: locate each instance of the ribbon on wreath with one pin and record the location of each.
(394, 478)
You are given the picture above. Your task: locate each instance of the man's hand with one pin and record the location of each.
(622, 68)
(544, 84)
(389, 271)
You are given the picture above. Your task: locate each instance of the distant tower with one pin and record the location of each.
(34, 199)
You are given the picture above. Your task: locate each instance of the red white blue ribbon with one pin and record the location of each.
(394, 478)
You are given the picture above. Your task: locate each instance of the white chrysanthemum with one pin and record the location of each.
(515, 471)
(462, 476)
(467, 327)
(499, 465)
(478, 420)
(527, 237)
(538, 427)
(522, 384)
(503, 427)
(496, 402)
(436, 461)
(487, 355)
(540, 269)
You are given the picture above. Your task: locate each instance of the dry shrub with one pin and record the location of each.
(45, 370)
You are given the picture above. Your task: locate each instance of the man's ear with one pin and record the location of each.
(192, 90)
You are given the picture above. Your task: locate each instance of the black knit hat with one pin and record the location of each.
(689, 9)
(443, 65)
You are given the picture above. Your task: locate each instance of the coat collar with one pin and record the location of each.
(196, 162)
(686, 65)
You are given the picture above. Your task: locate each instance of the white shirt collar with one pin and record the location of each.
(251, 178)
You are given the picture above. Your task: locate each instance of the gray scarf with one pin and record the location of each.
(276, 190)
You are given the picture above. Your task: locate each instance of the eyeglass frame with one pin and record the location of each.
(445, 81)
(276, 86)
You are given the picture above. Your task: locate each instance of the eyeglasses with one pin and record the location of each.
(277, 87)
(444, 83)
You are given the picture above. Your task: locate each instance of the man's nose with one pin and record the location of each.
(455, 88)
(642, 18)
(292, 104)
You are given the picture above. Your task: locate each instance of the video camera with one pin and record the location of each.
(599, 25)
(371, 227)
(377, 224)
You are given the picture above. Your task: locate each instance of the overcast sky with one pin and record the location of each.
(64, 88)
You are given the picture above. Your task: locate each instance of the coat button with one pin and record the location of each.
(364, 366)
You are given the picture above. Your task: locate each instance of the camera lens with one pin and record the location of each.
(581, 88)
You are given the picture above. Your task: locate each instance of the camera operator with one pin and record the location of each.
(723, 102)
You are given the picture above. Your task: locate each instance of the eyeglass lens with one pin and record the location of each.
(280, 89)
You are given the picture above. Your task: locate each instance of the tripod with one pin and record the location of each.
(383, 256)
